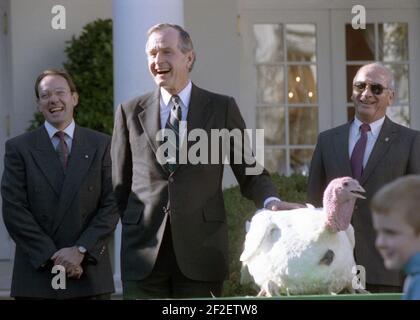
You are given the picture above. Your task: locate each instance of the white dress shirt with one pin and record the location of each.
(68, 137)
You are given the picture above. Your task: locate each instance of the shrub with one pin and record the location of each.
(239, 210)
(90, 65)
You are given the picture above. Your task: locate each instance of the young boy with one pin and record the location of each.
(396, 219)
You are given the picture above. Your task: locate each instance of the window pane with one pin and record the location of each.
(270, 84)
(275, 161)
(303, 125)
(400, 115)
(360, 43)
(272, 120)
(301, 42)
(269, 38)
(400, 72)
(393, 41)
(351, 72)
(302, 84)
(300, 160)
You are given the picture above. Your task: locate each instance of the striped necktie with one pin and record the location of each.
(172, 123)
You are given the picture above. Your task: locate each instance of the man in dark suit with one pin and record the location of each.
(174, 230)
(389, 151)
(58, 204)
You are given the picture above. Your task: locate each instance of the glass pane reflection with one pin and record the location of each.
(270, 84)
(302, 84)
(400, 115)
(269, 38)
(303, 125)
(400, 72)
(300, 160)
(275, 161)
(360, 43)
(272, 120)
(301, 42)
(393, 41)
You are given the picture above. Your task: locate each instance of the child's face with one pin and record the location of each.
(396, 240)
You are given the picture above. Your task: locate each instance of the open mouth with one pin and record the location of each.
(163, 71)
(56, 109)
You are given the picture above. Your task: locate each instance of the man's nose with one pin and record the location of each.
(367, 92)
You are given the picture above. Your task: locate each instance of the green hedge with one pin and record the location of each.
(239, 209)
(91, 67)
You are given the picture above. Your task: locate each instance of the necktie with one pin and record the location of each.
(172, 123)
(359, 152)
(62, 149)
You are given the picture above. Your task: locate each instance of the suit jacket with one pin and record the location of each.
(395, 153)
(45, 210)
(143, 189)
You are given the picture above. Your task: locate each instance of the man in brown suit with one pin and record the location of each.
(174, 229)
(58, 204)
(390, 151)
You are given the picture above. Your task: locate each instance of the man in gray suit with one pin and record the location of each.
(174, 230)
(58, 204)
(389, 151)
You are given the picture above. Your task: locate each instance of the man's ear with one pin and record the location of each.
(75, 97)
(391, 96)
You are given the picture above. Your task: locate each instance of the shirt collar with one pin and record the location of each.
(69, 130)
(184, 95)
(413, 264)
(375, 127)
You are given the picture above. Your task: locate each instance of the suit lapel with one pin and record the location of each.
(341, 148)
(47, 160)
(80, 159)
(197, 117)
(198, 111)
(149, 117)
(386, 136)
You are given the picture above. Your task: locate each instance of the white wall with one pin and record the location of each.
(36, 46)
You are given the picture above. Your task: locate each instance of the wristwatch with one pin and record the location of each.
(81, 249)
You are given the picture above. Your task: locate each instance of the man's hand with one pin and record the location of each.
(276, 205)
(70, 258)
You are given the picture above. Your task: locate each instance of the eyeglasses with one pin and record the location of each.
(376, 88)
(47, 94)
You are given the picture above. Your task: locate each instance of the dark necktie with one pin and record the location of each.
(172, 123)
(62, 149)
(358, 153)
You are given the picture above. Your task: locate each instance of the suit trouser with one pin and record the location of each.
(166, 279)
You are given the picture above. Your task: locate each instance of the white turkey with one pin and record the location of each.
(304, 251)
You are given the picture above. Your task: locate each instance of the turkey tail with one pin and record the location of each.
(261, 228)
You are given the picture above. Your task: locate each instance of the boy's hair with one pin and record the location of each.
(402, 197)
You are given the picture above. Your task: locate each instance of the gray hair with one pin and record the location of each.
(185, 43)
(388, 73)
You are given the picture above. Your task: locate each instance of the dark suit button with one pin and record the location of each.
(44, 217)
(90, 188)
(171, 179)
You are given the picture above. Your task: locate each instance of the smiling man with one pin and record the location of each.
(374, 150)
(174, 229)
(58, 204)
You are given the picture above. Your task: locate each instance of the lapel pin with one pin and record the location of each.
(86, 156)
(386, 139)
